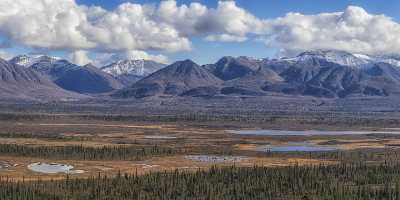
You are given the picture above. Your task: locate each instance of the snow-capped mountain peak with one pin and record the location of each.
(338, 57)
(363, 57)
(344, 58)
(132, 67)
(392, 62)
(125, 67)
(28, 61)
(389, 59)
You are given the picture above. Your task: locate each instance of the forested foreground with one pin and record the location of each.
(355, 181)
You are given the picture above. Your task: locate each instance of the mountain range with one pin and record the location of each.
(318, 73)
(327, 74)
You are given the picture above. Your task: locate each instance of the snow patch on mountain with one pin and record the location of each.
(344, 58)
(28, 61)
(126, 67)
(364, 57)
(132, 67)
(393, 62)
(338, 57)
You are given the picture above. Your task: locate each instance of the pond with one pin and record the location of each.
(306, 132)
(6, 165)
(159, 137)
(298, 147)
(53, 168)
(215, 159)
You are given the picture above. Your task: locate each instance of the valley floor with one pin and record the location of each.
(108, 145)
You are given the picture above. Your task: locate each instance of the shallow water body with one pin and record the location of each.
(159, 137)
(298, 147)
(306, 132)
(215, 159)
(52, 168)
(289, 148)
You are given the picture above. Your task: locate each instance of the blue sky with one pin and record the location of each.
(203, 51)
(274, 8)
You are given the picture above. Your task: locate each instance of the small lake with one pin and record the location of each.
(5, 165)
(306, 132)
(160, 137)
(215, 159)
(298, 147)
(53, 168)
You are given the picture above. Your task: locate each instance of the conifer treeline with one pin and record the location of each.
(309, 117)
(349, 156)
(80, 152)
(351, 181)
(43, 136)
(138, 152)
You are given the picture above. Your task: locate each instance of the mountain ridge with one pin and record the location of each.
(316, 73)
(323, 74)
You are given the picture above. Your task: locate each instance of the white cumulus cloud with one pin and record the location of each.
(227, 18)
(169, 27)
(352, 30)
(225, 38)
(102, 59)
(48, 24)
(5, 55)
(65, 25)
(80, 57)
(139, 55)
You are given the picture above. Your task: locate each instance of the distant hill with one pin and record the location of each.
(228, 68)
(176, 79)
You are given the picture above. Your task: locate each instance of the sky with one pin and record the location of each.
(102, 31)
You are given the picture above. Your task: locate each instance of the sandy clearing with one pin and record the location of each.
(19, 169)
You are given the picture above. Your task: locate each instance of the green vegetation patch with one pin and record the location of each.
(80, 152)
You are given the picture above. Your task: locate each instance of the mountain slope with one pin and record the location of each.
(242, 76)
(175, 79)
(228, 68)
(19, 83)
(251, 83)
(87, 80)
